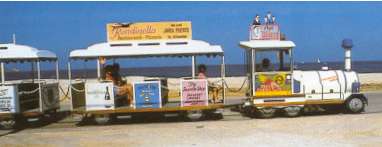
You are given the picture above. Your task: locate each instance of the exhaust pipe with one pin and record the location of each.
(347, 44)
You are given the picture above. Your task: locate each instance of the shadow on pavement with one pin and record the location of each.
(37, 122)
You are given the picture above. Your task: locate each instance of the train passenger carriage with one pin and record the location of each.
(100, 99)
(26, 98)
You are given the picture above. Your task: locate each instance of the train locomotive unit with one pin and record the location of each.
(275, 84)
(26, 98)
(110, 95)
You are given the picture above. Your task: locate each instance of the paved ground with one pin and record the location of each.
(235, 130)
(375, 102)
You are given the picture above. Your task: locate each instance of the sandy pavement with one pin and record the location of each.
(322, 130)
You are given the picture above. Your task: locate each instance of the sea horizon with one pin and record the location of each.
(185, 71)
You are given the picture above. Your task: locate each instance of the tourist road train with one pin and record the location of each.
(272, 82)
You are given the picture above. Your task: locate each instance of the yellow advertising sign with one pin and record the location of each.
(275, 84)
(149, 31)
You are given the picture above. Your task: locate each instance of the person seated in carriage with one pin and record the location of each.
(123, 91)
(212, 87)
(266, 66)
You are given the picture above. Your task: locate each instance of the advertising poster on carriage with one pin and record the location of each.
(194, 92)
(147, 94)
(99, 96)
(273, 85)
(8, 99)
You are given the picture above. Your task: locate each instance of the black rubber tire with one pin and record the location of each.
(213, 115)
(249, 111)
(194, 115)
(266, 112)
(8, 124)
(53, 115)
(355, 105)
(16, 122)
(292, 111)
(84, 119)
(102, 119)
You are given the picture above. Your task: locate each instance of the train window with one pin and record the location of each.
(273, 60)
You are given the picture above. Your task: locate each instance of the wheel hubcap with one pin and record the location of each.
(102, 119)
(8, 123)
(292, 111)
(355, 104)
(268, 110)
(194, 115)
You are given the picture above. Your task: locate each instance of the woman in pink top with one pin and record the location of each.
(202, 69)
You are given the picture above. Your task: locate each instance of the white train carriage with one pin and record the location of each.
(275, 85)
(25, 98)
(97, 97)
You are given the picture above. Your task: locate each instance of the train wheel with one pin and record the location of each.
(355, 105)
(8, 124)
(249, 111)
(83, 119)
(194, 115)
(266, 112)
(218, 116)
(102, 119)
(53, 115)
(214, 114)
(292, 111)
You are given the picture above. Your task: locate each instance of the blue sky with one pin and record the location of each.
(317, 28)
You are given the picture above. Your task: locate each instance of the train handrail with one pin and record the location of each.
(28, 92)
(77, 90)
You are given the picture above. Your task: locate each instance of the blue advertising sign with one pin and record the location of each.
(147, 94)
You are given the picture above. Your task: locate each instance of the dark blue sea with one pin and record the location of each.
(213, 70)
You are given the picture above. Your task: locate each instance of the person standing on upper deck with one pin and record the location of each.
(269, 17)
(256, 21)
(273, 20)
(266, 20)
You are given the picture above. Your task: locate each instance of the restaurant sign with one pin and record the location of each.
(148, 31)
(194, 92)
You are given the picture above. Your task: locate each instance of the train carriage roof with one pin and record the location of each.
(148, 49)
(267, 44)
(14, 52)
